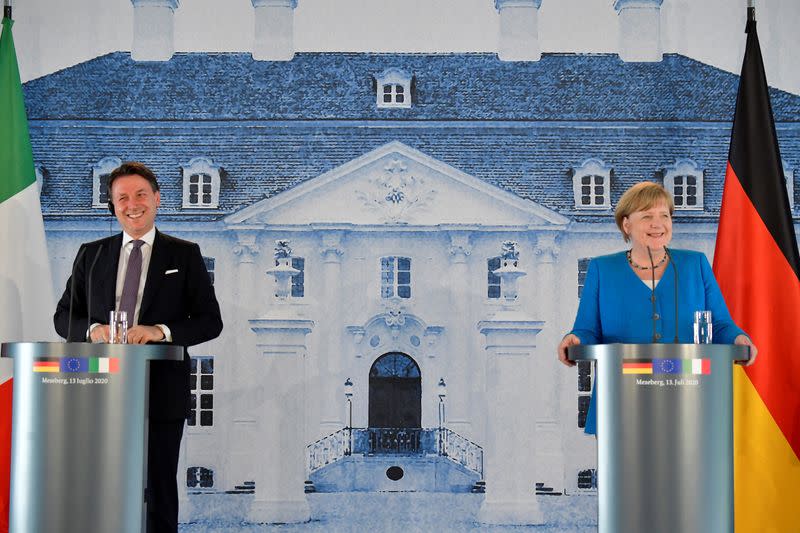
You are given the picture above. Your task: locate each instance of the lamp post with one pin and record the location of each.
(348, 394)
(442, 395)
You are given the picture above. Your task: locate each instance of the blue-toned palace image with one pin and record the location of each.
(397, 241)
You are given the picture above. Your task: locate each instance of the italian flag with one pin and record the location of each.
(26, 293)
(757, 266)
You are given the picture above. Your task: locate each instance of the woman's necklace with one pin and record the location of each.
(640, 267)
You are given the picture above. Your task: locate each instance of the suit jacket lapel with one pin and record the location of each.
(107, 280)
(159, 258)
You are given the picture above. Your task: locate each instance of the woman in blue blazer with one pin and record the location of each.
(616, 304)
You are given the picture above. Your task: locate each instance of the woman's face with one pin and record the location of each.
(649, 228)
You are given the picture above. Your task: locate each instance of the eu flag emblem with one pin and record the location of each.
(74, 364)
(667, 366)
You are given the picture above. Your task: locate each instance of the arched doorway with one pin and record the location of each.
(395, 392)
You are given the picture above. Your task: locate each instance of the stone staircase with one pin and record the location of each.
(394, 473)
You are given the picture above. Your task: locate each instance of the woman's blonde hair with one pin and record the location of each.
(641, 197)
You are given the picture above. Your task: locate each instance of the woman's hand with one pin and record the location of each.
(568, 340)
(744, 340)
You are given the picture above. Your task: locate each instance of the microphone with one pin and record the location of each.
(72, 291)
(89, 288)
(675, 274)
(653, 295)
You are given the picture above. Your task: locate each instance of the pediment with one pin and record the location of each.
(395, 185)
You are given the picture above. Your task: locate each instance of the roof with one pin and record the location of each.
(457, 86)
(521, 126)
(259, 161)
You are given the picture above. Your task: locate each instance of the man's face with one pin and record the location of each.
(135, 204)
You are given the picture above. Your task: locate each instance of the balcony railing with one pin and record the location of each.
(461, 450)
(328, 449)
(404, 441)
(400, 441)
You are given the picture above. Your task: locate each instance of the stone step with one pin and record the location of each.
(247, 487)
(541, 490)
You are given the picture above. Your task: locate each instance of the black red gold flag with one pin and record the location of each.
(758, 269)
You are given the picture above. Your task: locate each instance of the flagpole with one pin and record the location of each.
(751, 16)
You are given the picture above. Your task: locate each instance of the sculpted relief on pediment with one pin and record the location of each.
(395, 194)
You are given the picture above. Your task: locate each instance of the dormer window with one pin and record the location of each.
(394, 93)
(788, 176)
(684, 180)
(201, 184)
(100, 172)
(393, 88)
(591, 184)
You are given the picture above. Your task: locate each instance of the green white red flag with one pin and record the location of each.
(26, 293)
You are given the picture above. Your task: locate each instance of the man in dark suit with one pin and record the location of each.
(163, 284)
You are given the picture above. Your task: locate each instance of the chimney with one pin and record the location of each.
(639, 29)
(519, 30)
(153, 30)
(274, 30)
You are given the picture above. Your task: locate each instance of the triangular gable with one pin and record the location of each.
(396, 185)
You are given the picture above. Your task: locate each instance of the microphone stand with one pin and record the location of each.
(675, 275)
(653, 287)
(72, 291)
(89, 288)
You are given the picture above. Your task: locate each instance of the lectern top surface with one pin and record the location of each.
(86, 349)
(592, 352)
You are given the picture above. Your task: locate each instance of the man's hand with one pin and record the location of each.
(568, 340)
(100, 333)
(144, 334)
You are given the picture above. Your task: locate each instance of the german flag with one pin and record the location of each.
(46, 365)
(757, 266)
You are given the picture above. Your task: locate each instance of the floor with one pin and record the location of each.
(387, 512)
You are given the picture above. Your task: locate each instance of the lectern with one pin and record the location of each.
(664, 436)
(79, 435)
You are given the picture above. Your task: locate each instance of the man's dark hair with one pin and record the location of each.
(133, 168)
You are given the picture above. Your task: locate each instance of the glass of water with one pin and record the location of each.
(703, 328)
(118, 324)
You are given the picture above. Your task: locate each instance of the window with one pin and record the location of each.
(587, 479)
(298, 280)
(591, 184)
(585, 383)
(210, 263)
(201, 181)
(788, 176)
(393, 88)
(583, 268)
(394, 93)
(583, 409)
(685, 181)
(198, 477)
(100, 173)
(493, 280)
(200, 189)
(201, 383)
(395, 277)
(584, 376)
